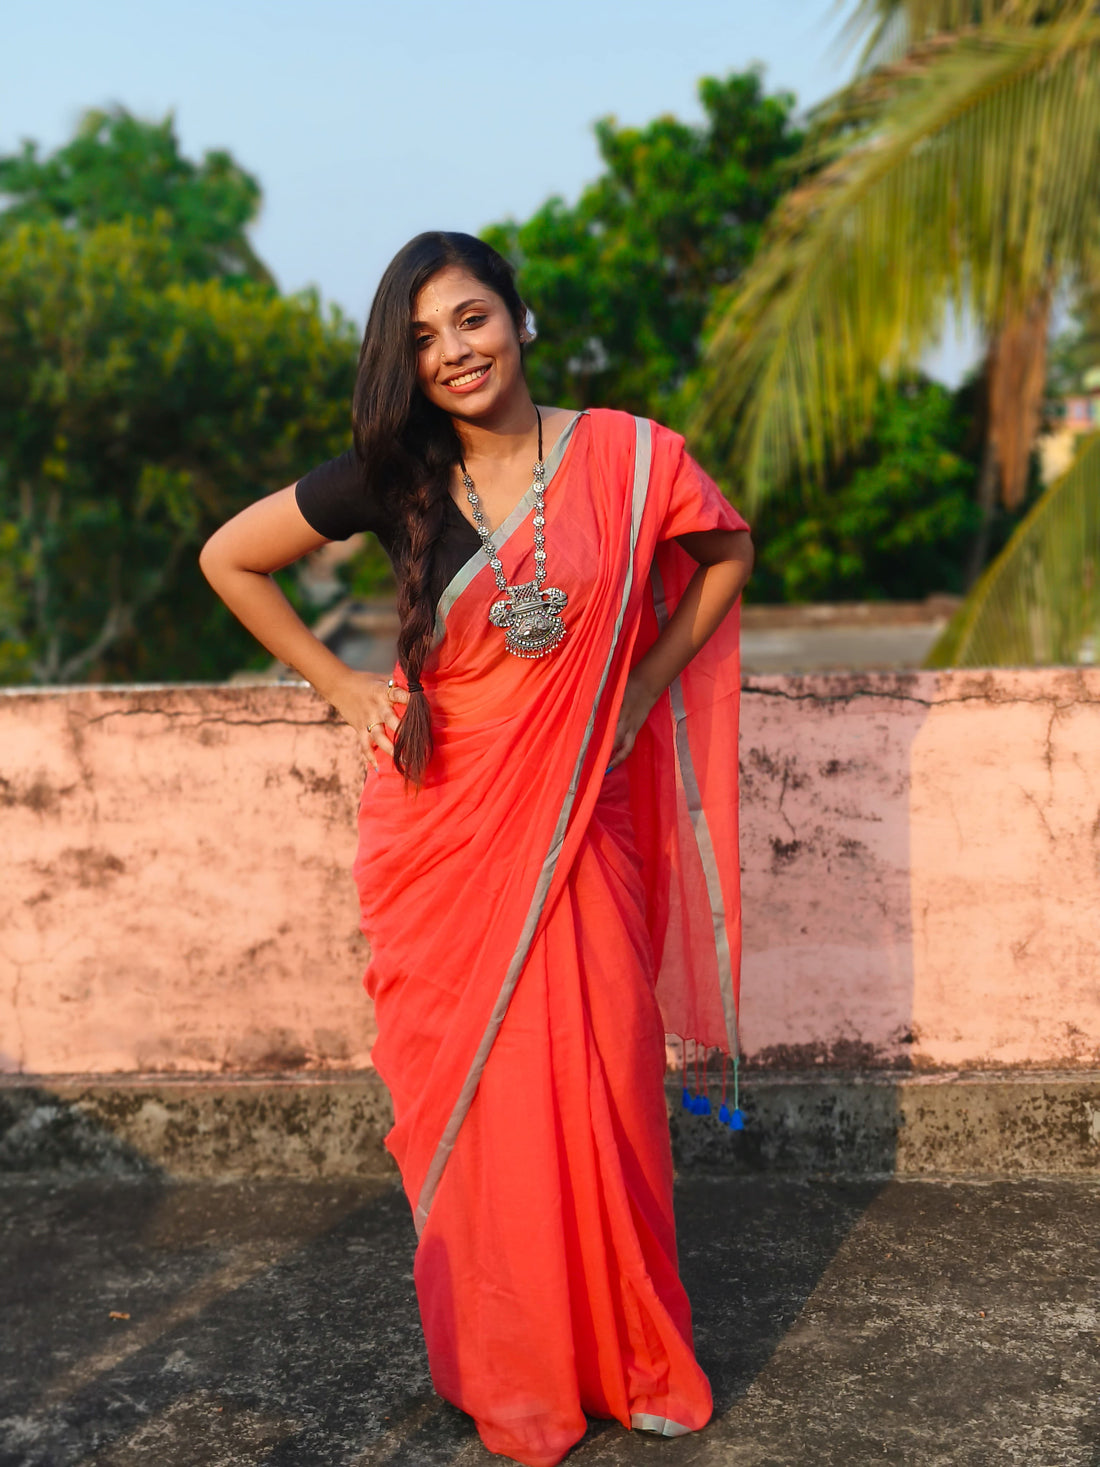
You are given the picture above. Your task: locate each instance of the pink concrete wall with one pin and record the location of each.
(921, 854)
(178, 894)
(922, 869)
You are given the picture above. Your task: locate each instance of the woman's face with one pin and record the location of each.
(467, 346)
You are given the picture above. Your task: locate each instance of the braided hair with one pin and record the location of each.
(407, 450)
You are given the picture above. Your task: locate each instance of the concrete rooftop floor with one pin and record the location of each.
(274, 1323)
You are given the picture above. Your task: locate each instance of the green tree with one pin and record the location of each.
(1076, 350)
(622, 280)
(137, 412)
(117, 167)
(896, 523)
(961, 168)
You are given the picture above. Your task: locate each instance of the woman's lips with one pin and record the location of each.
(468, 381)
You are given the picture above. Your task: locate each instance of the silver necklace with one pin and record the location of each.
(530, 614)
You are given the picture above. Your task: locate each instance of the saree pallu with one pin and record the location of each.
(536, 926)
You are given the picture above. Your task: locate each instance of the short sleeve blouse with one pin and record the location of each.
(335, 502)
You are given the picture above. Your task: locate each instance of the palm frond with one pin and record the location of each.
(1038, 604)
(891, 27)
(973, 181)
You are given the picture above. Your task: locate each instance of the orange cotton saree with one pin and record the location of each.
(536, 926)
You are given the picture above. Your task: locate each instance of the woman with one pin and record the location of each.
(547, 839)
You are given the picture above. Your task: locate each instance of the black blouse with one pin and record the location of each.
(334, 501)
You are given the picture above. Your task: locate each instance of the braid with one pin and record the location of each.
(422, 530)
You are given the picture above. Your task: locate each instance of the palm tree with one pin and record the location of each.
(961, 168)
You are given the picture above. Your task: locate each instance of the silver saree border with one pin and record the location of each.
(643, 447)
(705, 846)
(659, 1425)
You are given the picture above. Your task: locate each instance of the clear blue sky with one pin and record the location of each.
(366, 122)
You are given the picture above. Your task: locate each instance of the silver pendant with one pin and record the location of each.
(530, 615)
(531, 618)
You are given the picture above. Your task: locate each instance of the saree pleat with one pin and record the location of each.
(526, 913)
(561, 1242)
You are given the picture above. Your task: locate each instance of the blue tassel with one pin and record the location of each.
(724, 1114)
(702, 1106)
(685, 1099)
(737, 1115)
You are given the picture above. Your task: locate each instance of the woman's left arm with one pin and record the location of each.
(725, 559)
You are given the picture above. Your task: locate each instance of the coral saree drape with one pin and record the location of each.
(536, 926)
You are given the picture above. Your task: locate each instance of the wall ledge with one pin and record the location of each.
(314, 1126)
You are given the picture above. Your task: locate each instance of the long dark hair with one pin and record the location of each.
(407, 448)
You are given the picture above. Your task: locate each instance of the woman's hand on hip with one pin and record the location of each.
(367, 702)
(638, 699)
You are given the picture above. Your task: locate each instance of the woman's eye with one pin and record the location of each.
(473, 320)
(422, 342)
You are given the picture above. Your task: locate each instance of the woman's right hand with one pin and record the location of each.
(367, 702)
(239, 561)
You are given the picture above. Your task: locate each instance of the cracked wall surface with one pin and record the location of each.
(921, 858)
(178, 893)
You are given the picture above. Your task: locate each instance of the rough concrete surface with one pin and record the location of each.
(283, 1126)
(314, 1129)
(831, 649)
(273, 1324)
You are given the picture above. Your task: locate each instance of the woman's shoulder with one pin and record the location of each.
(334, 500)
(623, 418)
(616, 425)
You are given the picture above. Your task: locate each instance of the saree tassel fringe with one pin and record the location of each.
(699, 1104)
(697, 1100)
(736, 1117)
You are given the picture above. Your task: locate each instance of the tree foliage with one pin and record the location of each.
(1075, 351)
(892, 28)
(621, 281)
(118, 167)
(960, 169)
(138, 410)
(1038, 603)
(957, 179)
(896, 522)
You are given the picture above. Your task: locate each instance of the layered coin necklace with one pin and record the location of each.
(530, 614)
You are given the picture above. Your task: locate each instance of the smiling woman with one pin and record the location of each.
(456, 333)
(547, 865)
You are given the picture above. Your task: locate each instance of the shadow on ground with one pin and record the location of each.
(274, 1325)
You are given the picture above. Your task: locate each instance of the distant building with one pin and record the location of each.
(1082, 413)
(1067, 418)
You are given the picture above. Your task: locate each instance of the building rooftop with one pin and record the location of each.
(857, 636)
